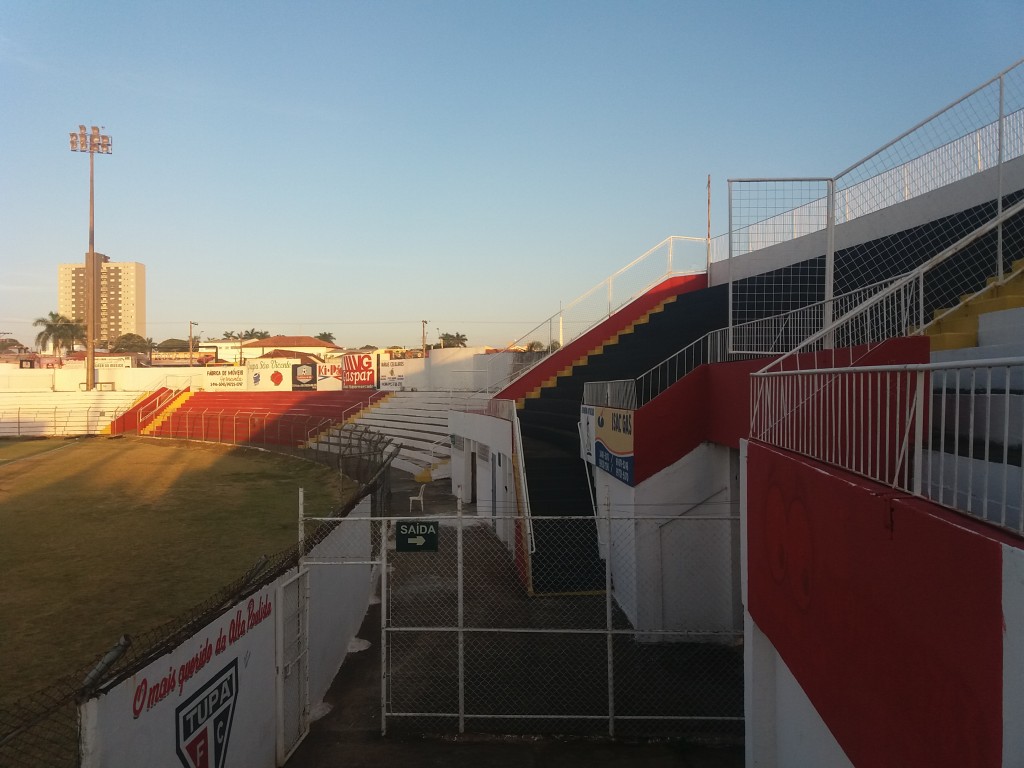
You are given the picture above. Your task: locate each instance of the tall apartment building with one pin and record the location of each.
(122, 296)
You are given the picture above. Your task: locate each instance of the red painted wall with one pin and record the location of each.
(887, 610)
(129, 420)
(713, 403)
(575, 349)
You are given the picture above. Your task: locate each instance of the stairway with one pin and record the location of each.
(566, 557)
(959, 328)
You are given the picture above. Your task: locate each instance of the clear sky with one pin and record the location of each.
(357, 167)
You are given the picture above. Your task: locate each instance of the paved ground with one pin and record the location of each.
(349, 735)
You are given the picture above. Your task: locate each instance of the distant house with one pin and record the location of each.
(295, 346)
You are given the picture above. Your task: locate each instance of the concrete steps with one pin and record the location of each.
(417, 422)
(958, 328)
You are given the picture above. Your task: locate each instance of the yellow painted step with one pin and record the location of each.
(957, 322)
(944, 341)
(165, 414)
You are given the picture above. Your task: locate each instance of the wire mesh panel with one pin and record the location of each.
(966, 138)
(469, 648)
(766, 212)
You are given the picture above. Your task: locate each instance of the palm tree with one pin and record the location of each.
(230, 335)
(453, 339)
(325, 336)
(59, 330)
(252, 333)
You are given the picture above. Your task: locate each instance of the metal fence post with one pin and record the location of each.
(608, 627)
(830, 262)
(999, 178)
(462, 634)
(385, 524)
(919, 433)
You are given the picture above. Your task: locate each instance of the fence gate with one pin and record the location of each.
(467, 647)
(292, 665)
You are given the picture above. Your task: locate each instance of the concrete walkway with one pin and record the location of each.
(349, 736)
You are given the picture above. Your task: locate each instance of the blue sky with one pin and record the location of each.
(357, 167)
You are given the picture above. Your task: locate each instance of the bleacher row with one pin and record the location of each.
(61, 414)
(415, 421)
(271, 418)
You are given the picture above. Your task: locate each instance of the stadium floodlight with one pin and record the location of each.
(92, 142)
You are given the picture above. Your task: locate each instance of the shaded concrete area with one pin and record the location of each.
(510, 672)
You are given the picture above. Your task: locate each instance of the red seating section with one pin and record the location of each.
(278, 418)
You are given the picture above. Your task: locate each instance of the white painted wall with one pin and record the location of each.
(1013, 655)
(123, 727)
(123, 379)
(782, 726)
(675, 551)
(339, 594)
(477, 429)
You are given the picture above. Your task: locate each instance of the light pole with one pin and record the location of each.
(191, 325)
(92, 143)
(424, 336)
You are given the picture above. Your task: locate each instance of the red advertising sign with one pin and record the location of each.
(359, 372)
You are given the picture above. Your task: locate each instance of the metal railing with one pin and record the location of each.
(948, 432)
(901, 306)
(980, 132)
(241, 427)
(676, 255)
(57, 421)
(866, 316)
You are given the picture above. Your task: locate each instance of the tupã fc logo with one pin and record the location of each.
(202, 723)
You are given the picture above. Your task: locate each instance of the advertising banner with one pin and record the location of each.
(225, 379)
(328, 377)
(359, 372)
(392, 374)
(103, 362)
(273, 374)
(607, 440)
(303, 376)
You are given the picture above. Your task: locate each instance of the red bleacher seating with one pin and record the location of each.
(279, 418)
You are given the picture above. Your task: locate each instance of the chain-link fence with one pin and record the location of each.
(656, 653)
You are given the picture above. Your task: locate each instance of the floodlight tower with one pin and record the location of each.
(92, 143)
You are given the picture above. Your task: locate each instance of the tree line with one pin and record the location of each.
(63, 333)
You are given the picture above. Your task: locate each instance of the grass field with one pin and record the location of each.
(105, 536)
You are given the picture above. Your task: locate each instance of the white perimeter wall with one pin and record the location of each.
(495, 436)
(675, 559)
(124, 727)
(459, 369)
(123, 379)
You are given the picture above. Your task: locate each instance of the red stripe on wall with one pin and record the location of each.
(888, 612)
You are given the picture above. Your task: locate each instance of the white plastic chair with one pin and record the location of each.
(417, 498)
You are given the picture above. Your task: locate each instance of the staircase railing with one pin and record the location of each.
(867, 316)
(675, 255)
(903, 304)
(948, 432)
